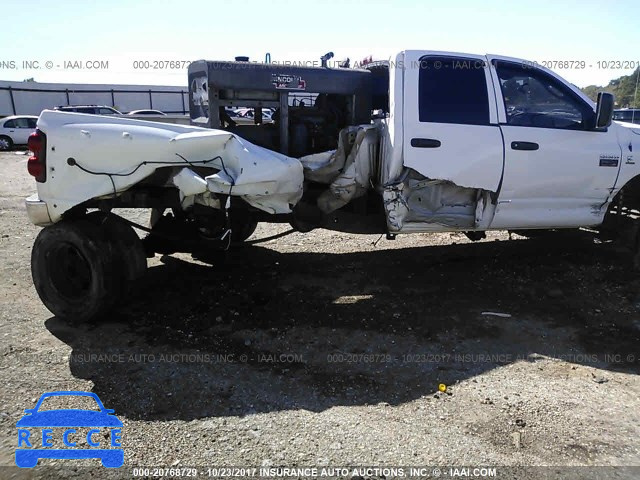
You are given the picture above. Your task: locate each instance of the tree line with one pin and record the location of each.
(623, 88)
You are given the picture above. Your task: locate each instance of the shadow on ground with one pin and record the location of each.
(260, 331)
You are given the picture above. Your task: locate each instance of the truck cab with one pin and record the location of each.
(492, 142)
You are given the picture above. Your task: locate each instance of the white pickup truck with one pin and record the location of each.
(427, 142)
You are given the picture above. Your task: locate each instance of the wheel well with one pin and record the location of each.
(621, 219)
(629, 195)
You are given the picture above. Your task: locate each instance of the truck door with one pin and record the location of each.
(559, 170)
(450, 119)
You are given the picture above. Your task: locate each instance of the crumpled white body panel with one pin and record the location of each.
(349, 170)
(265, 179)
(113, 154)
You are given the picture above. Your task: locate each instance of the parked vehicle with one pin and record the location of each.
(246, 116)
(456, 142)
(631, 115)
(147, 112)
(91, 109)
(15, 130)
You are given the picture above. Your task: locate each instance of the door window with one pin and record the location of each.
(533, 98)
(10, 124)
(453, 90)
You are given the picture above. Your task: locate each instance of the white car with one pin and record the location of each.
(244, 116)
(147, 112)
(15, 130)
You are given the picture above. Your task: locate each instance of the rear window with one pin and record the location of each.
(22, 123)
(453, 90)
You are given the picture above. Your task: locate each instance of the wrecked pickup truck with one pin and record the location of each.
(426, 142)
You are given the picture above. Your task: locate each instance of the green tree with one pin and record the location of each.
(623, 88)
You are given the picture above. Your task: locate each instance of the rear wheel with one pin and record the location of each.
(74, 270)
(622, 220)
(5, 143)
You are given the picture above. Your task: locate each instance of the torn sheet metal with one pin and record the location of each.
(110, 155)
(263, 178)
(193, 189)
(324, 167)
(189, 183)
(417, 203)
(113, 154)
(348, 170)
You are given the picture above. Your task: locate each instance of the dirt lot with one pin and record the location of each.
(327, 349)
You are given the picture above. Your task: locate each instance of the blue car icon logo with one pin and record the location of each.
(70, 425)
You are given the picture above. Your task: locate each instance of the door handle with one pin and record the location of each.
(425, 143)
(524, 146)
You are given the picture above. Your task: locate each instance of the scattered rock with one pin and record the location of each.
(497, 314)
(599, 378)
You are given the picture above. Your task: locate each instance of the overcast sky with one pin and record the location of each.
(122, 32)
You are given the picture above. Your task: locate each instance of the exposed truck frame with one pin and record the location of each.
(431, 141)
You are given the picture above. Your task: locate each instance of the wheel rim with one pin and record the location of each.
(4, 144)
(69, 271)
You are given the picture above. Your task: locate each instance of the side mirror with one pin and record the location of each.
(604, 110)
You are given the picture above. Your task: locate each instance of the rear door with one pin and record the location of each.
(22, 131)
(450, 119)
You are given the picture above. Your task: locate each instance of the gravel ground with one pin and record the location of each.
(328, 349)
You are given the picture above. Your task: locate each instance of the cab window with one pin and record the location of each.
(453, 90)
(533, 98)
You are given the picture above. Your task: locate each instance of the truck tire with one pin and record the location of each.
(128, 249)
(74, 270)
